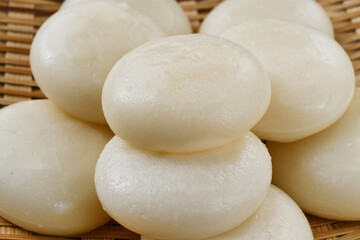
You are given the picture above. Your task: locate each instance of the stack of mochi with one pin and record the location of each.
(188, 113)
(49, 148)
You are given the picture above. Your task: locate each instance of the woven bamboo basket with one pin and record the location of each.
(19, 21)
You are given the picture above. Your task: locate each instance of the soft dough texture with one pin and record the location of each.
(168, 14)
(321, 173)
(183, 196)
(278, 218)
(47, 164)
(311, 76)
(185, 94)
(75, 49)
(233, 12)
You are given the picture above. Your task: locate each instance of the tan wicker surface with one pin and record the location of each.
(19, 21)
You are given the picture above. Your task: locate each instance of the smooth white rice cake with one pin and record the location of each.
(233, 12)
(75, 49)
(185, 94)
(47, 165)
(278, 218)
(312, 78)
(183, 196)
(168, 14)
(321, 173)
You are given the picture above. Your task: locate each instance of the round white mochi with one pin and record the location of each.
(278, 218)
(168, 14)
(75, 49)
(183, 196)
(311, 76)
(233, 12)
(321, 173)
(185, 93)
(47, 165)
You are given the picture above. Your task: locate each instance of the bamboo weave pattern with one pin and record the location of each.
(19, 21)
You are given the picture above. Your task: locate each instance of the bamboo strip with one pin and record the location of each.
(19, 21)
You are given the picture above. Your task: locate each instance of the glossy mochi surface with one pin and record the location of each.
(312, 78)
(185, 94)
(75, 49)
(278, 218)
(168, 14)
(163, 196)
(233, 12)
(47, 164)
(321, 173)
